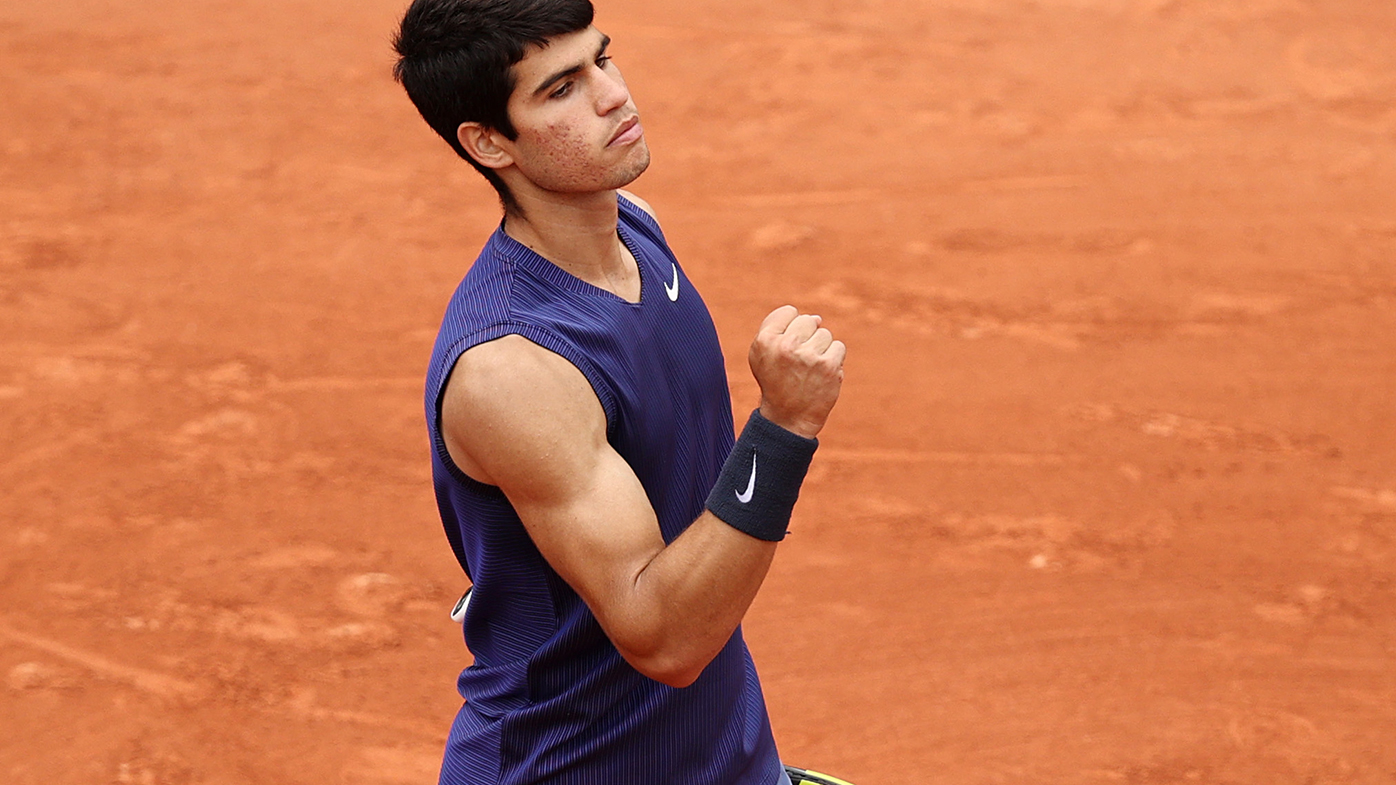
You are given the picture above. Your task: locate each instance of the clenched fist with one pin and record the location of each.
(799, 367)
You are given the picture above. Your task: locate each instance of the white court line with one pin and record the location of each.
(153, 682)
(167, 686)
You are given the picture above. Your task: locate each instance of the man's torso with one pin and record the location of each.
(549, 699)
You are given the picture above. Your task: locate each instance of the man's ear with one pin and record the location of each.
(485, 145)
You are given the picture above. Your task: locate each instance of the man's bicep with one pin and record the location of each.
(531, 421)
(599, 535)
(509, 404)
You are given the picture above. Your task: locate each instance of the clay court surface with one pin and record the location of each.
(1110, 496)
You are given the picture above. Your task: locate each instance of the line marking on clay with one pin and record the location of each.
(153, 682)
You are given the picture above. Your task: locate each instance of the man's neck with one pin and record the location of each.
(578, 234)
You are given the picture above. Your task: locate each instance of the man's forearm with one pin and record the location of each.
(691, 596)
(700, 586)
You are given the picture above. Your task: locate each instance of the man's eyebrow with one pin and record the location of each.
(571, 70)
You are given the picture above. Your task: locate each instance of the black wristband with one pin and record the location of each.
(761, 479)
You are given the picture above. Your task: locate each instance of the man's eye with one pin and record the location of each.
(561, 91)
(602, 61)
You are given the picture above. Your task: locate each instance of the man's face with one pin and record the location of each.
(579, 131)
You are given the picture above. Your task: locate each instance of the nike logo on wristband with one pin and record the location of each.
(750, 484)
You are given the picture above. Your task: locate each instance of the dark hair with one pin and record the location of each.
(455, 59)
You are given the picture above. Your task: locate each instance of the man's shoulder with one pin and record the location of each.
(510, 359)
(487, 293)
(638, 216)
(491, 265)
(481, 307)
(638, 202)
(512, 373)
(511, 396)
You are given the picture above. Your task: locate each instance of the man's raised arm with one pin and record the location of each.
(520, 417)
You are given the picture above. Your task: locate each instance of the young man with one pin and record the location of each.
(582, 433)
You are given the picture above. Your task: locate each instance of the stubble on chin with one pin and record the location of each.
(634, 169)
(573, 167)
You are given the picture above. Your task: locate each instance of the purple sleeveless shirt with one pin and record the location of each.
(548, 698)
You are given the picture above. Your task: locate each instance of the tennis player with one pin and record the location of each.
(613, 530)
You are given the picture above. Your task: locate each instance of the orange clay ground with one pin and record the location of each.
(1110, 496)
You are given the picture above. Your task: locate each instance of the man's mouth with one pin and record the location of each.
(629, 131)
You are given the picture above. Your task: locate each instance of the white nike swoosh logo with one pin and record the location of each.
(673, 289)
(750, 484)
(458, 612)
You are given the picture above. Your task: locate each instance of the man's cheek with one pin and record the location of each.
(570, 149)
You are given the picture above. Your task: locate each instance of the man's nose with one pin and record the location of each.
(613, 93)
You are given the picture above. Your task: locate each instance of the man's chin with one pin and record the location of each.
(637, 167)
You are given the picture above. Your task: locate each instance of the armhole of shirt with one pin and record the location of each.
(538, 335)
